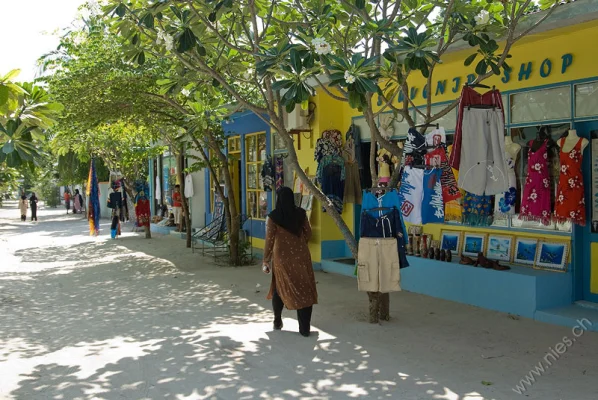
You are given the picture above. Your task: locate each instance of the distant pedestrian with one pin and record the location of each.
(33, 204)
(67, 201)
(287, 256)
(77, 202)
(23, 207)
(176, 206)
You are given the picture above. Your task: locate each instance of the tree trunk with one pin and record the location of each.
(233, 218)
(148, 232)
(187, 218)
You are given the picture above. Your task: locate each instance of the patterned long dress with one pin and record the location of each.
(292, 271)
(535, 202)
(570, 202)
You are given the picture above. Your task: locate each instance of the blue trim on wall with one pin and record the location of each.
(334, 249)
(256, 228)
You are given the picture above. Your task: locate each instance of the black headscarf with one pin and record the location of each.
(286, 214)
(23, 197)
(33, 197)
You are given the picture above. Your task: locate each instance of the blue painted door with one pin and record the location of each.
(583, 236)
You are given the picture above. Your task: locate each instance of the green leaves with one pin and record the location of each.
(186, 40)
(413, 50)
(147, 20)
(470, 59)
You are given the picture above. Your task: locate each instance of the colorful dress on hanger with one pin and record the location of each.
(535, 202)
(453, 210)
(414, 148)
(469, 97)
(438, 158)
(331, 176)
(570, 202)
(504, 203)
(352, 180)
(432, 204)
(411, 194)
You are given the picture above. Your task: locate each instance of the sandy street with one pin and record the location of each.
(93, 318)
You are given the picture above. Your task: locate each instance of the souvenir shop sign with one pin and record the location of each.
(594, 185)
(521, 72)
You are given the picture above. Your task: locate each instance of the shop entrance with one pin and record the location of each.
(585, 251)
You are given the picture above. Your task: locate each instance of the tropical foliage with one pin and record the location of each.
(280, 51)
(26, 112)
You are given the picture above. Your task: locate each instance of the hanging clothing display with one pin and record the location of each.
(432, 204)
(354, 135)
(386, 225)
(329, 144)
(438, 158)
(411, 194)
(477, 210)
(267, 174)
(570, 203)
(482, 168)
(158, 189)
(188, 186)
(378, 268)
(453, 210)
(352, 176)
(535, 202)
(414, 148)
(331, 177)
(279, 172)
(436, 138)
(469, 97)
(504, 203)
(382, 247)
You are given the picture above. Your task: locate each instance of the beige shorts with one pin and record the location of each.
(378, 265)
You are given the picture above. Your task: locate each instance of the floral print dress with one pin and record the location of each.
(570, 202)
(505, 202)
(535, 202)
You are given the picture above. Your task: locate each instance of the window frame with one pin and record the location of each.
(258, 163)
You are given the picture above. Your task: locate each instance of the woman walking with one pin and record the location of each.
(33, 204)
(77, 202)
(23, 207)
(287, 256)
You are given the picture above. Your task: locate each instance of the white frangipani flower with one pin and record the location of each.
(321, 46)
(185, 92)
(165, 38)
(482, 18)
(349, 78)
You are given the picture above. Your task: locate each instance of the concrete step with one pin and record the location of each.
(573, 315)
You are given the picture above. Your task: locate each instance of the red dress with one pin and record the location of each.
(570, 202)
(535, 202)
(142, 211)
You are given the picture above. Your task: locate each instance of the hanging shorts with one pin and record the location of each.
(378, 267)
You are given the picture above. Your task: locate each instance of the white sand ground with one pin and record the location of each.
(92, 318)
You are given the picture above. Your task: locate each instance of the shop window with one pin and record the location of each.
(214, 193)
(257, 198)
(234, 144)
(541, 105)
(448, 122)
(586, 99)
(524, 136)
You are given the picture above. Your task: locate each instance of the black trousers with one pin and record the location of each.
(34, 213)
(303, 315)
